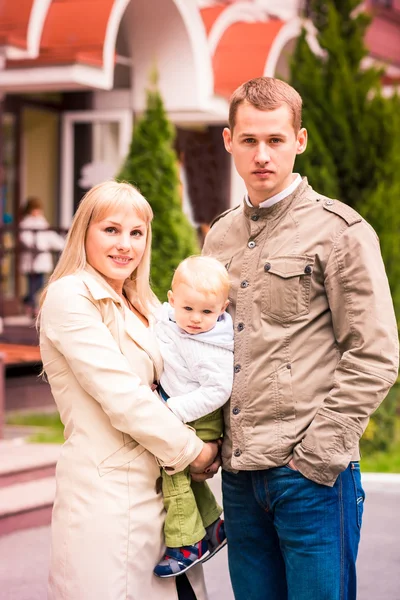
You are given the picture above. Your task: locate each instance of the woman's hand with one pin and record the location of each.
(207, 462)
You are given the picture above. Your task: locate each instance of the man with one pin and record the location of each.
(316, 351)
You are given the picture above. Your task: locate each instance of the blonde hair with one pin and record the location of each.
(266, 93)
(204, 274)
(94, 206)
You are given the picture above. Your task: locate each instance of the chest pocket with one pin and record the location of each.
(286, 287)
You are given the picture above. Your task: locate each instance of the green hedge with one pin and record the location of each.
(354, 144)
(152, 167)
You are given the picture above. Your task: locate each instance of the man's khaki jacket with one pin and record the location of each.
(316, 343)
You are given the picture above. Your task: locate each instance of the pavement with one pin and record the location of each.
(24, 555)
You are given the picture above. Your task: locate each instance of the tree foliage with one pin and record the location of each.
(354, 139)
(152, 167)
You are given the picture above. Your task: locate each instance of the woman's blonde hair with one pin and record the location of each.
(94, 206)
(204, 274)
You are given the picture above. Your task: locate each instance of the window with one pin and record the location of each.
(383, 3)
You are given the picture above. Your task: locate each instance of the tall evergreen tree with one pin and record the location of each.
(152, 167)
(354, 145)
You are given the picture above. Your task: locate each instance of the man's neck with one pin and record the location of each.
(294, 182)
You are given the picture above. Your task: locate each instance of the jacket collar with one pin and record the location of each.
(140, 334)
(275, 211)
(98, 286)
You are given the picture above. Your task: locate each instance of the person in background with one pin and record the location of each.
(38, 243)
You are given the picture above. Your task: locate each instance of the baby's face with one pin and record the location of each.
(196, 312)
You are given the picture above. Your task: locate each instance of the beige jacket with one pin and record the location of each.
(108, 513)
(316, 345)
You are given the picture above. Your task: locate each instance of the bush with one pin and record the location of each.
(380, 431)
(354, 148)
(152, 167)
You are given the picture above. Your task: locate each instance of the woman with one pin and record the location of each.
(101, 359)
(41, 241)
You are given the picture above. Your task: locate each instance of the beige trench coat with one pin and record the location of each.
(108, 513)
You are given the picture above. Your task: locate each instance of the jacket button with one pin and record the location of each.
(237, 452)
(237, 368)
(308, 269)
(288, 366)
(255, 217)
(328, 202)
(236, 410)
(267, 267)
(251, 244)
(240, 326)
(244, 284)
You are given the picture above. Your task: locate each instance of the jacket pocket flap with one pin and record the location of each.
(289, 266)
(121, 457)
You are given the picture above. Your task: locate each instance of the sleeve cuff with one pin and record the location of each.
(191, 451)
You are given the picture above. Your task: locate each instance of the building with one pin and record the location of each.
(73, 75)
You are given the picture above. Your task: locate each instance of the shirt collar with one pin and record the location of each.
(277, 197)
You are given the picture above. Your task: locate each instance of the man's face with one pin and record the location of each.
(264, 146)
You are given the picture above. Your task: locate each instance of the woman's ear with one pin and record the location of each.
(170, 296)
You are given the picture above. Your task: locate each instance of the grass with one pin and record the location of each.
(384, 462)
(50, 431)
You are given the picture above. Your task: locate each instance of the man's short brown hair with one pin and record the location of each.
(266, 93)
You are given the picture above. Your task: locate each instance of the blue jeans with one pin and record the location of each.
(290, 538)
(35, 283)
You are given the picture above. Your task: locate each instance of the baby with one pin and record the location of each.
(196, 340)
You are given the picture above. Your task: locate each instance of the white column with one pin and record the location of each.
(238, 188)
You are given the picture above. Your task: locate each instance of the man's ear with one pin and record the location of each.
(302, 138)
(226, 134)
(170, 296)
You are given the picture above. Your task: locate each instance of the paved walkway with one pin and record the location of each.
(24, 555)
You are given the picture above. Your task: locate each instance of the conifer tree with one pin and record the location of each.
(152, 167)
(354, 139)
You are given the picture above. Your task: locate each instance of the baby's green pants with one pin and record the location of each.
(190, 505)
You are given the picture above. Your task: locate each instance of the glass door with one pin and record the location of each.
(94, 146)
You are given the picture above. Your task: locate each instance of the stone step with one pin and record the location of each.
(26, 505)
(22, 462)
(27, 484)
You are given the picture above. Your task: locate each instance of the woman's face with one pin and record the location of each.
(115, 246)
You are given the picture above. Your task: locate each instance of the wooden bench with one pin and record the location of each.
(12, 355)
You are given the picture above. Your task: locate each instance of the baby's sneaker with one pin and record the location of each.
(179, 560)
(216, 538)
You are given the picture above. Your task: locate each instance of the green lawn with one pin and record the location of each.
(50, 431)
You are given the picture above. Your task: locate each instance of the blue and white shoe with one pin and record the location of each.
(177, 561)
(216, 538)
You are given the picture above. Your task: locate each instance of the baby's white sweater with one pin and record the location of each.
(198, 369)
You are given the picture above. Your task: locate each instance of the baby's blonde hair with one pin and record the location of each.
(204, 274)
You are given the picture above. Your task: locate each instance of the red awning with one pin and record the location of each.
(242, 54)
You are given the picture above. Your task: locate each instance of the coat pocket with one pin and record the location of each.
(121, 457)
(286, 287)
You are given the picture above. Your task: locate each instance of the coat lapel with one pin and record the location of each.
(142, 336)
(145, 338)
